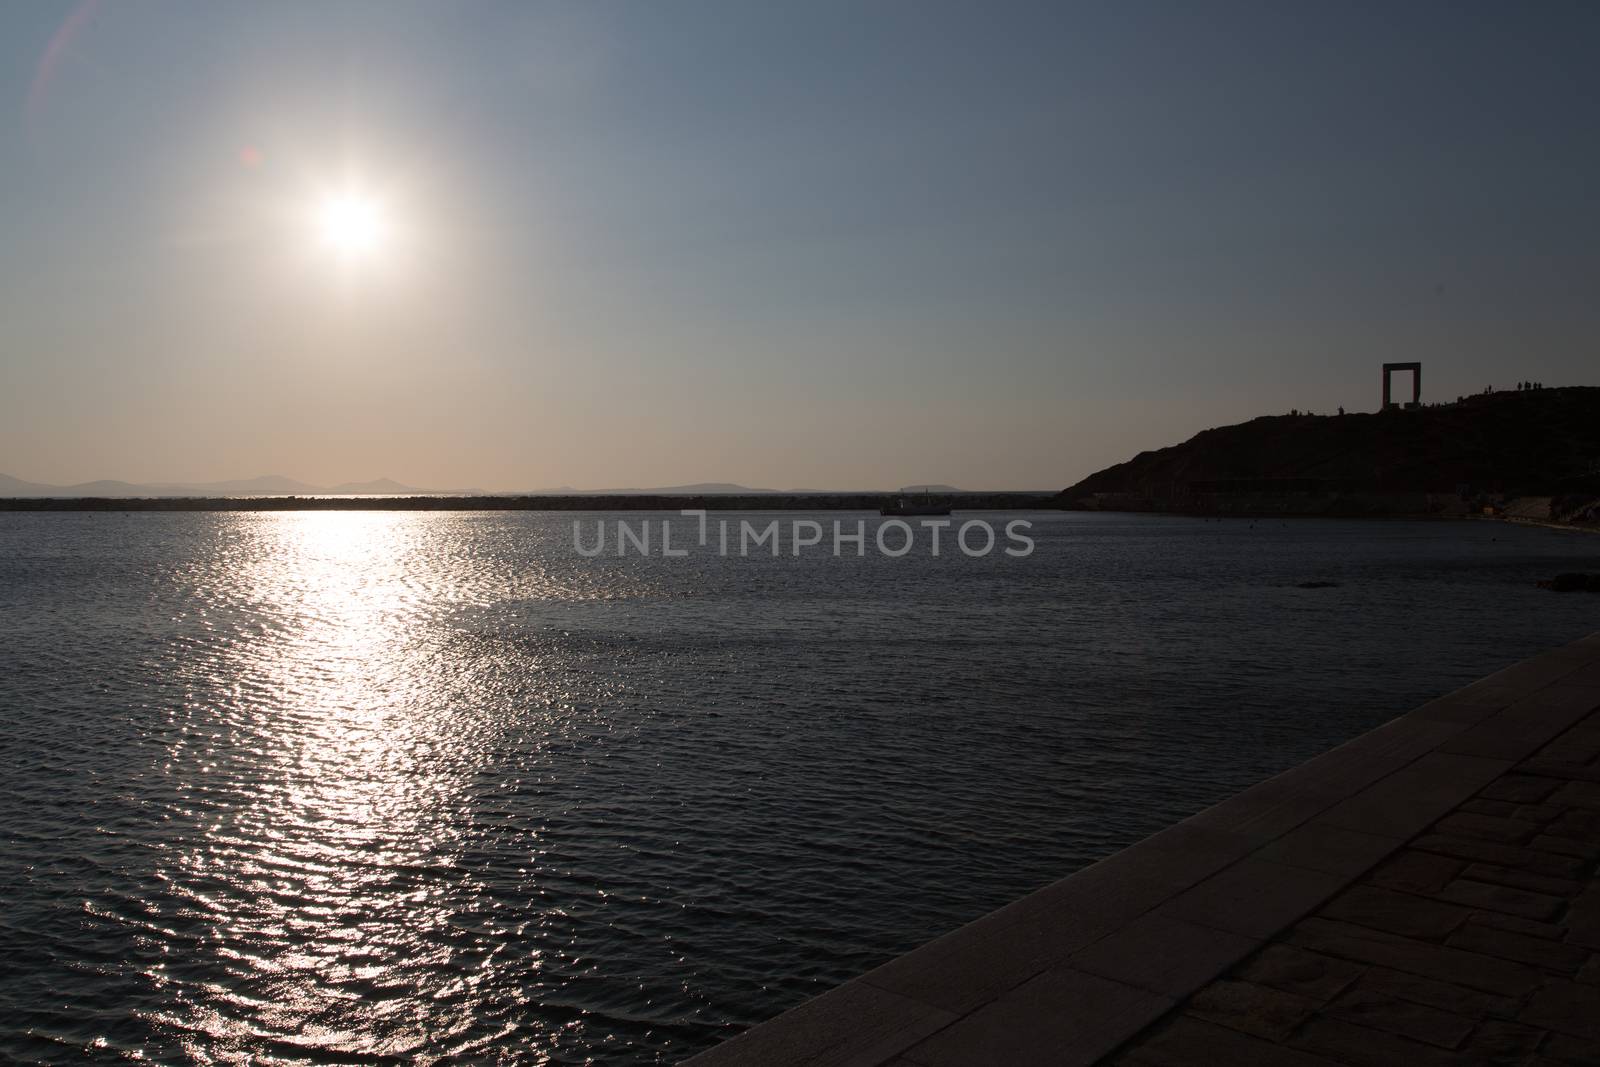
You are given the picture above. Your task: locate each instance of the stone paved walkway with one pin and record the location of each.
(1423, 894)
(1478, 943)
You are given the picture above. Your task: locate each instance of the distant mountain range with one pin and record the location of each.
(697, 489)
(266, 485)
(724, 489)
(278, 485)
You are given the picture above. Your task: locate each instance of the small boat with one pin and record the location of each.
(906, 504)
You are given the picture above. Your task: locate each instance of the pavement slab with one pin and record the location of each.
(1424, 894)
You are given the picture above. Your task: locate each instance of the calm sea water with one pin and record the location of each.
(330, 787)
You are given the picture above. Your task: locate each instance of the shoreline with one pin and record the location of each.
(1548, 524)
(870, 502)
(1293, 920)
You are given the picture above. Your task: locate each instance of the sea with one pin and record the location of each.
(367, 786)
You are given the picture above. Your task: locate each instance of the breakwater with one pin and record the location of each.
(576, 502)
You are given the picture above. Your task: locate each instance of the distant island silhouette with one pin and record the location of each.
(265, 485)
(276, 485)
(277, 493)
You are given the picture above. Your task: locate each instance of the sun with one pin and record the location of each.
(353, 224)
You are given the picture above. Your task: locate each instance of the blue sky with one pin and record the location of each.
(814, 244)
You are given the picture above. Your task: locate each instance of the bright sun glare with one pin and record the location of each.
(353, 225)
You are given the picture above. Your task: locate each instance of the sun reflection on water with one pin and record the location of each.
(342, 782)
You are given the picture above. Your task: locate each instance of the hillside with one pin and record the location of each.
(1499, 445)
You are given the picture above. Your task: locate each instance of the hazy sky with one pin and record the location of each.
(827, 245)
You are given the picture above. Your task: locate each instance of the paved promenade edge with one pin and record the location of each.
(1079, 969)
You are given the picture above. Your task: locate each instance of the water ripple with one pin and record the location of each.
(367, 787)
